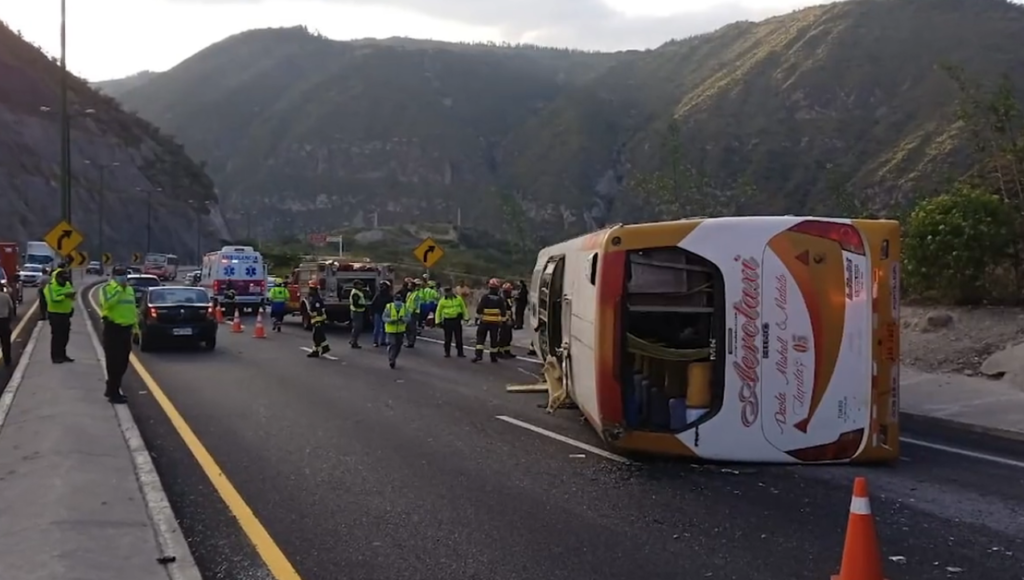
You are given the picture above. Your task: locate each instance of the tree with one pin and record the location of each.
(679, 190)
(991, 117)
(956, 242)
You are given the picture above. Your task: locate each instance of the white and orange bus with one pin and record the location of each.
(763, 339)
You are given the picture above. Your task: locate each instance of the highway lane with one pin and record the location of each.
(28, 314)
(357, 471)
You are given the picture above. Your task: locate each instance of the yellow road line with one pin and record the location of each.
(267, 548)
(21, 325)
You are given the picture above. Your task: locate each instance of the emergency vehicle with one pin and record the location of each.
(240, 267)
(9, 271)
(335, 279)
(765, 339)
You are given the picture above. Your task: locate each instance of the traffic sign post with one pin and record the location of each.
(78, 259)
(136, 257)
(428, 253)
(64, 238)
(107, 258)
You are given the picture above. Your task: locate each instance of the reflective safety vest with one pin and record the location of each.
(429, 295)
(394, 318)
(413, 300)
(279, 294)
(451, 309)
(357, 305)
(510, 308)
(58, 297)
(490, 308)
(117, 304)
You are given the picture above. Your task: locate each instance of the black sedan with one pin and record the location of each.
(176, 314)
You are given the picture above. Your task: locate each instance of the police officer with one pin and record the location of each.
(120, 321)
(317, 316)
(451, 313)
(491, 310)
(278, 300)
(357, 312)
(396, 319)
(412, 305)
(60, 305)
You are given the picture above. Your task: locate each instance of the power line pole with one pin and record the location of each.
(65, 122)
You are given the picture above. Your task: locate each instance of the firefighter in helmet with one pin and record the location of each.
(492, 310)
(318, 318)
(505, 331)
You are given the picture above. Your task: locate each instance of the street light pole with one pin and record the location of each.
(102, 201)
(196, 206)
(65, 123)
(149, 220)
(149, 215)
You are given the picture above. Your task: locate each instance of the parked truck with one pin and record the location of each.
(9, 283)
(335, 278)
(41, 254)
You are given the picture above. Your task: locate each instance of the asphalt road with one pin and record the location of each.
(28, 314)
(355, 471)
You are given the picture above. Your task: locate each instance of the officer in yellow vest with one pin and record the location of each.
(451, 313)
(278, 296)
(60, 305)
(357, 312)
(120, 321)
(396, 321)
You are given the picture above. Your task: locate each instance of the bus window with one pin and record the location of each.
(549, 306)
(674, 321)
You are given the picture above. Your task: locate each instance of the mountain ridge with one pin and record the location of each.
(782, 115)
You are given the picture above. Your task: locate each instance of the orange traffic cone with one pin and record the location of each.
(862, 558)
(258, 330)
(220, 314)
(236, 323)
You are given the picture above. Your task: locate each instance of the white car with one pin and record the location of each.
(31, 274)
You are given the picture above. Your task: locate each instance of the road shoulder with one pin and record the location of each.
(74, 503)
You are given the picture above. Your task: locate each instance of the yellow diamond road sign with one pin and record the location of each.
(64, 238)
(78, 259)
(136, 258)
(428, 253)
(107, 258)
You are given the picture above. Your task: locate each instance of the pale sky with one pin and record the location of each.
(115, 38)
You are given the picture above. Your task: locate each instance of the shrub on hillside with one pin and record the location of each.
(956, 244)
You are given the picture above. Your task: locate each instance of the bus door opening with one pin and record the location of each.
(674, 330)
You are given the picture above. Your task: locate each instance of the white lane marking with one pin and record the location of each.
(326, 356)
(522, 358)
(564, 439)
(965, 452)
(169, 537)
(7, 399)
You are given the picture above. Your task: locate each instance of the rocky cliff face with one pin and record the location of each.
(116, 157)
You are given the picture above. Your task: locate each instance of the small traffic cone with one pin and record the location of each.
(236, 323)
(258, 330)
(862, 557)
(220, 314)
